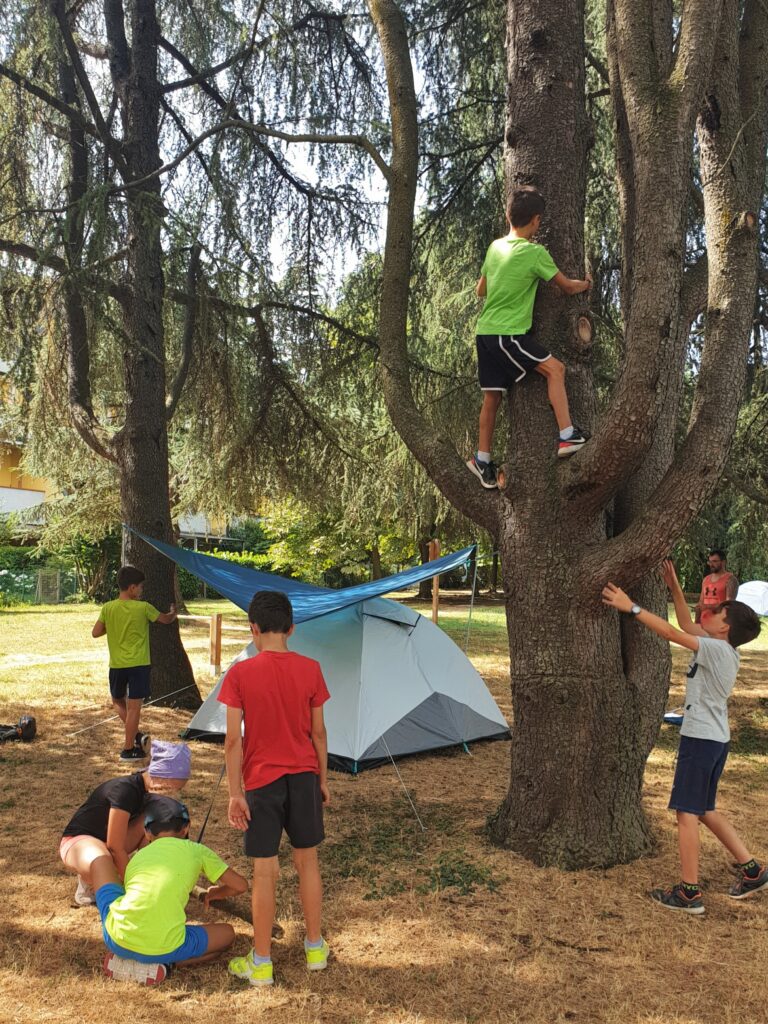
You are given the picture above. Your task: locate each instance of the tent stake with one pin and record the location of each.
(405, 788)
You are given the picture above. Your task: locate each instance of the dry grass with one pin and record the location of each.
(426, 928)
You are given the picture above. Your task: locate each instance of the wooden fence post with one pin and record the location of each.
(216, 643)
(434, 552)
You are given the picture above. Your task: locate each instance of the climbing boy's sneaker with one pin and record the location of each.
(677, 898)
(255, 974)
(748, 883)
(134, 754)
(142, 742)
(120, 968)
(84, 896)
(317, 956)
(484, 471)
(577, 440)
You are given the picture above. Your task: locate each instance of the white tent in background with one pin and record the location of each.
(755, 594)
(398, 686)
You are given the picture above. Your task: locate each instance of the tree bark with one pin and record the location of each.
(142, 442)
(588, 690)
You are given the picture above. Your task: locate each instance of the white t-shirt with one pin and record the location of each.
(711, 678)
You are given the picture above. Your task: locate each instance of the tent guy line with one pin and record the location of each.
(163, 696)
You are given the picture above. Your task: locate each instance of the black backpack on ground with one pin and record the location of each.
(25, 730)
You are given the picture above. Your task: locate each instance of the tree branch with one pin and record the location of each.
(52, 101)
(111, 144)
(261, 130)
(438, 456)
(188, 335)
(200, 76)
(746, 488)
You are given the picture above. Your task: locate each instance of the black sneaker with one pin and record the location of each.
(134, 754)
(577, 440)
(676, 899)
(744, 885)
(484, 471)
(142, 742)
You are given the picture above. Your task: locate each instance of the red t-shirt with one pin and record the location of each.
(275, 690)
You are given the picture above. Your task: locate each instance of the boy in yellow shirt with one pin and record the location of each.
(126, 625)
(144, 920)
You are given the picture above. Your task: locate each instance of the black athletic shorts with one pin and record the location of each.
(293, 803)
(700, 764)
(134, 680)
(504, 359)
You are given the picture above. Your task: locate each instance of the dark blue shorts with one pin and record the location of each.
(134, 681)
(504, 359)
(195, 944)
(700, 764)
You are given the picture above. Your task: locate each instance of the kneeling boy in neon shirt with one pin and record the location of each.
(144, 923)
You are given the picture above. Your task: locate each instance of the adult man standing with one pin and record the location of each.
(720, 585)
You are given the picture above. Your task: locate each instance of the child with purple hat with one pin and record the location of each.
(110, 822)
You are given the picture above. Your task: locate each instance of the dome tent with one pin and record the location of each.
(399, 685)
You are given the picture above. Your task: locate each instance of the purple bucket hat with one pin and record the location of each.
(170, 760)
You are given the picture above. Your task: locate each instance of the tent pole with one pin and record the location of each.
(210, 805)
(471, 606)
(405, 788)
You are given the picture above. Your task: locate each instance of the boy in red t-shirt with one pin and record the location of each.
(277, 769)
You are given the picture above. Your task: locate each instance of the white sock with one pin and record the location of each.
(567, 434)
(483, 456)
(259, 960)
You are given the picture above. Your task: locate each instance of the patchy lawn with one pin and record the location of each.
(433, 927)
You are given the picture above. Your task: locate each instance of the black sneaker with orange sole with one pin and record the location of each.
(676, 898)
(746, 886)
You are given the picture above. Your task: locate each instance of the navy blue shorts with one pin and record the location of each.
(700, 764)
(504, 359)
(133, 681)
(194, 945)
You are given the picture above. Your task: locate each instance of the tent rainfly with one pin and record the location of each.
(398, 684)
(755, 594)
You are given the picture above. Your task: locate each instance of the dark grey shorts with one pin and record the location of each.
(293, 803)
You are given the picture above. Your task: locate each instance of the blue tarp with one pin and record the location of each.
(239, 583)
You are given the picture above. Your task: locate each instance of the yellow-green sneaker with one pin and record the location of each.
(255, 974)
(317, 959)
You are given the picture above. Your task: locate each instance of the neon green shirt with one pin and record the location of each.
(512, 269)
(151, 918)
(128, 631)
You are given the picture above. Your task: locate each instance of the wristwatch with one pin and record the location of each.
(635, 609)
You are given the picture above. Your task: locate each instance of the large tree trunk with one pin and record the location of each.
(588, 689)
(142, 444)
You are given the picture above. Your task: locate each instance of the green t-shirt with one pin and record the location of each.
(151, 917)
(512, 269)
(128, 631)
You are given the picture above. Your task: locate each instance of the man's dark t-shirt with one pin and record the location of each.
(125, 794)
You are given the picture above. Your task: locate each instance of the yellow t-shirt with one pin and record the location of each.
(151, 917)
(127, 625)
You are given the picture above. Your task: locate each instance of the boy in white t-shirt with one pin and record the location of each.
(704, 735)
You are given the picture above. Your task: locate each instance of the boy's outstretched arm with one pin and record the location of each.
(682, 611)
(320, 743)
(168, 617)
(614, 597)
(231, 883)
(572, 285)
(239, 814)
